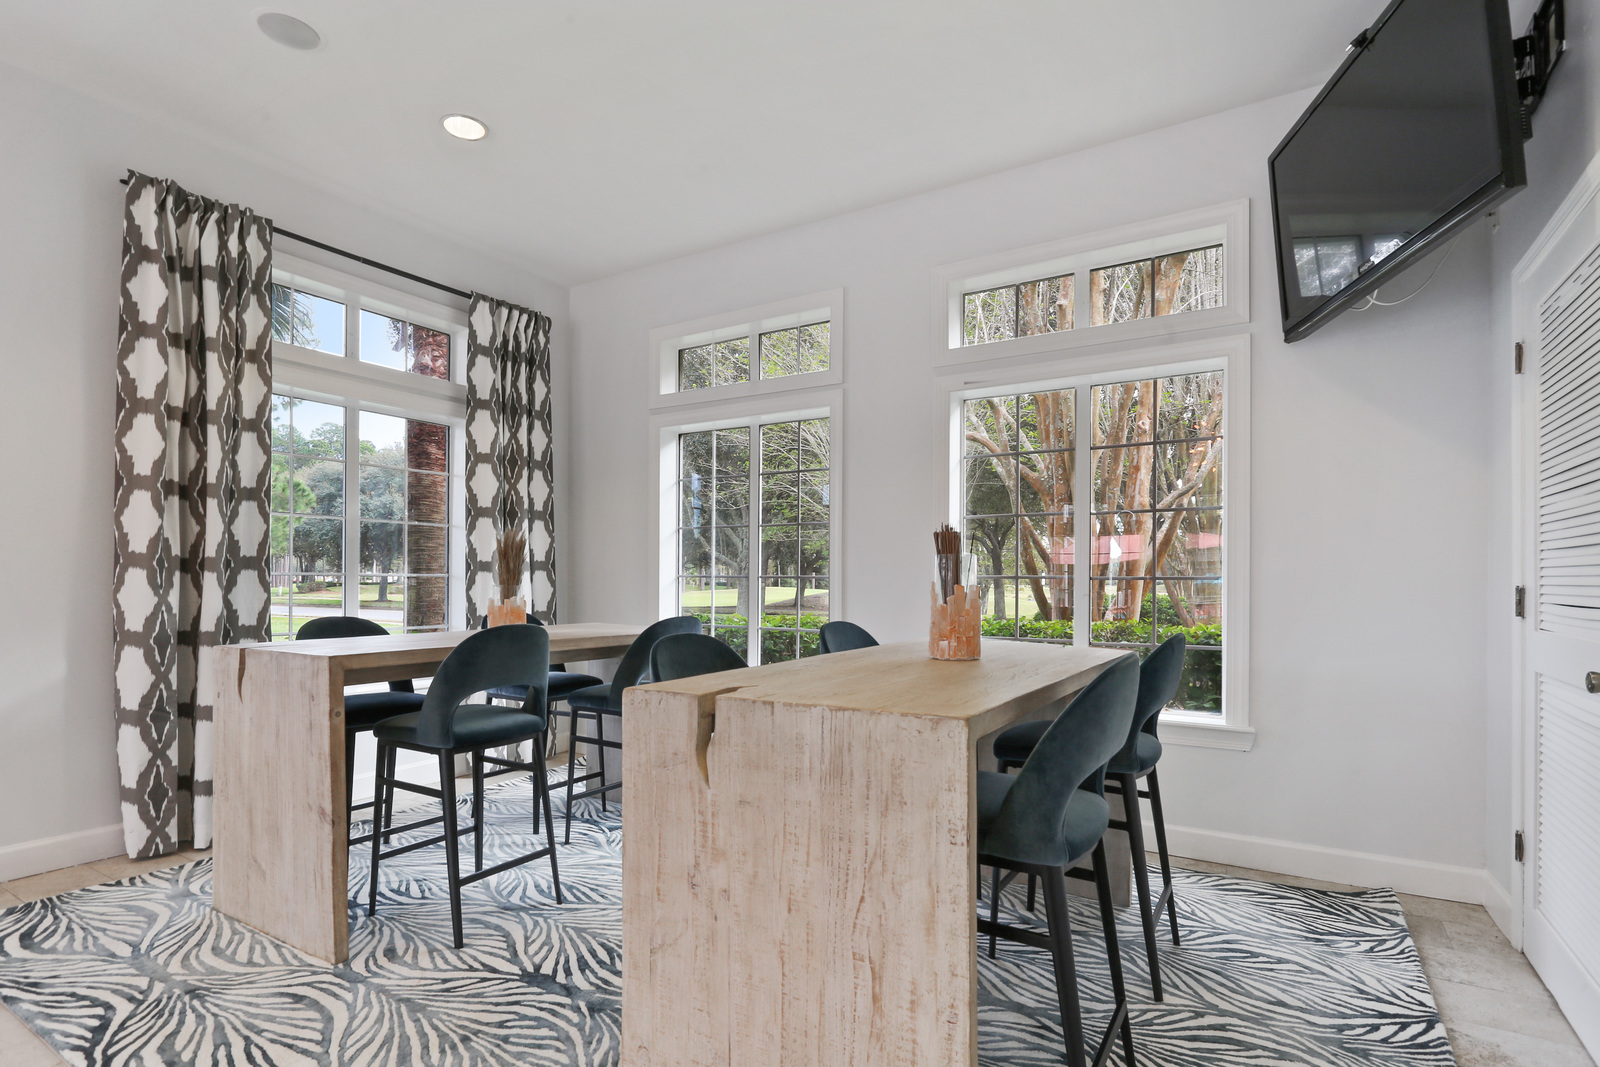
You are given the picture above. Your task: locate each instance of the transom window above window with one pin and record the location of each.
(1024, 310)
(1161, 285)
(783, 353)
(322, 324)
(404, 346)
(719, 363)
(307, 320)
(790, 345)
(1161, 278)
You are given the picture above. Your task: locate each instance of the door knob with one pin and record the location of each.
(1591, 681)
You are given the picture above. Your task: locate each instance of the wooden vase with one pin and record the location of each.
(506, 612)
(956, 625)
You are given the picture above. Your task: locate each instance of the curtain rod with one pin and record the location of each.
(280, 231)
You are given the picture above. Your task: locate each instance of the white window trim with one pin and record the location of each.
(1225, 224)
(1232, 730)
(666, 341)
(746, 411)
(347, 382)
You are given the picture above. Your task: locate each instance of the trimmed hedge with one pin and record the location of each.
(775, 644)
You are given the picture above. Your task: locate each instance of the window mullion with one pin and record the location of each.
(352, 510)
(757, 594)
(1082, 508)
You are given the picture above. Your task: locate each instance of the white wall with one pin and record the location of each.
(1371, 490)
(60, 251)
(1566, 136)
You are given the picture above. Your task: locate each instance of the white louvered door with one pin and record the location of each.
(1560, 533)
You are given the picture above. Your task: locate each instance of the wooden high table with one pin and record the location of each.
(799, 855)
(280, 854)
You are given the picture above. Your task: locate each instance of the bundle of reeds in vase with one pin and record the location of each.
(956, 624)
(510, 550)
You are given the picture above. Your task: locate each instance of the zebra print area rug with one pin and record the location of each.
(142, 972)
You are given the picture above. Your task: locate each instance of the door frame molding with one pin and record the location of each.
(1578, 217)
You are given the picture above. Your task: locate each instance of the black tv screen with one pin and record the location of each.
(1419, 132)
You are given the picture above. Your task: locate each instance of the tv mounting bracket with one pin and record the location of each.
(1537, 52)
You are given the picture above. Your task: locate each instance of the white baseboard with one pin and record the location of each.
(1417, 877)
(66, 850)
(1497, 902)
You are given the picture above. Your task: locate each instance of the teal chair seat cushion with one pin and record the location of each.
(364, 710)
(1017, 743)
(1084, 820)
(475, 726)
(1147, 752)
(592, 697)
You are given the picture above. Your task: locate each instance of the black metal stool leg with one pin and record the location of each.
(350, 776)
(994, 903)
(1161, 847)
(1108, 921)
(1141, 875)
(541, 793)
(600, 753)
(388, 802)
(1055, 911)
(447, 786)
(477, 810)
(382, 797)
(572, 769)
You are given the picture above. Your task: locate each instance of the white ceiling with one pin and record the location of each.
(624, 132)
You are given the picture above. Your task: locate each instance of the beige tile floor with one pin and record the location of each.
(1496, 1010)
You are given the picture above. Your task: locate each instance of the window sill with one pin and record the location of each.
(1200, 730)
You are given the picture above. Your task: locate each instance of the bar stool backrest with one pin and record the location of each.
(635, 663)
(843, 636)
(333, 626)
(517, 654)
(1158, 684)
(1074, 750)
(689, 655)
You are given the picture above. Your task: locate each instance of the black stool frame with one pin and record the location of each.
(1057, 940)
(446, 795)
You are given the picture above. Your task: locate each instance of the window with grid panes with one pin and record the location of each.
(753, 535)
(1161, 285)
(360, 499)
(1153, 557)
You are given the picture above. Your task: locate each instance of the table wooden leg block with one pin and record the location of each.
(845, 931)
(280, 860)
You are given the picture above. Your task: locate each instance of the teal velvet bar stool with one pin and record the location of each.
(446, 725)
(362, 711)
(690, 655)
(596, 702)
(843, 636)
(1047, 819)
(1158, 684)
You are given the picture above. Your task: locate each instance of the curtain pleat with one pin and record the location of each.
(510, 472)
(193, 440)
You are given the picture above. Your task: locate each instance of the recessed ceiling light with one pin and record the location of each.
(289, 31)
(465, 127)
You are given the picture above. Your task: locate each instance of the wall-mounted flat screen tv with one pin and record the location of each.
(1418, 133)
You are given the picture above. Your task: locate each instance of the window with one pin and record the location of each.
(404, 346)
(307, 321)
(1185, 272)
(365, 462)
(1162, 285)
(1146, 449)
(754, 533)
(789, 345)
(1023, 310)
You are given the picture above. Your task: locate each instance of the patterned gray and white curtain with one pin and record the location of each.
(193, 437)
(510, 473)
